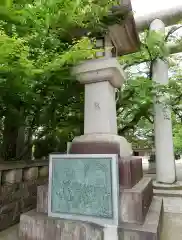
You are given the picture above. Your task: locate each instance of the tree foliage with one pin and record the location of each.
(39, 42)
(41, 103)
(135, 104)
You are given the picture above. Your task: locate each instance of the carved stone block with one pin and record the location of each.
(10, 193)
(42, 198)
(43, 171)
(130, 171)
(30, 174)
(150, 229)
(12, 176)
(28, 203)
(135, 202)
(9, 214)
(38, 226)
(130, 168)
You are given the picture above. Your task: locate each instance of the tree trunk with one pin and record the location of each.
(10, 134)
(20, 141)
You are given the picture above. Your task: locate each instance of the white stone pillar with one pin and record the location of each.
(101, 77)
(165, 163)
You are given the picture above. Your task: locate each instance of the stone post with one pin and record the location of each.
(165, 164)
(101, 77)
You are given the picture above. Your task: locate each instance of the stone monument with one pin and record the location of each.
(84, 187)
(139, 213)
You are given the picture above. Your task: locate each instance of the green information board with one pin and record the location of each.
(84, 187)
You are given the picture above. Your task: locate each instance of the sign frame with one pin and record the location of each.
(114, 183)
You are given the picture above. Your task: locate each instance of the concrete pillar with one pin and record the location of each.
(165, 163)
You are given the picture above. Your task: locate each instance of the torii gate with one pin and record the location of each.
(165, 163)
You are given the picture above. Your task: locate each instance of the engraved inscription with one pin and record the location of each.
(97, 105)
(82, 186)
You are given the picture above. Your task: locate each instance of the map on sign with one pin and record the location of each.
(82, 187)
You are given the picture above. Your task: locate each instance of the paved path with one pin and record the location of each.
(172, 227)
(10, 233)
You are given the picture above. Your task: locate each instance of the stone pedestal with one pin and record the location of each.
(138, 218)
(38, 226)
(130, 168)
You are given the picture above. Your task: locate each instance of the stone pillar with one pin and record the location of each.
(101, 77)
(165, 163)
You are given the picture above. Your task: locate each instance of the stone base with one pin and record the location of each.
(101, 144)
(174, 186)
(130, 168)
(135, 202)
(151, 228)
(171, 195)
(38, 226)
(172, 200)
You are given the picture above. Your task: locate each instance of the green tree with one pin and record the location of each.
(39, 42)
(136, 99)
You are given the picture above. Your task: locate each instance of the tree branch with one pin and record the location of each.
(135, 119)
(171, 31)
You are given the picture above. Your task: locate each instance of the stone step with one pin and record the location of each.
(172, 200)
(135, 202)
(161, 186)
(150, 229)
(38, 226)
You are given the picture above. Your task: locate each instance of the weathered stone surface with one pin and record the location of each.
(135, 202)
(101, 142)
(95, 148)
(38, 226)
(9, 214)
(9, 193)
(130, 168)
(151, 228)
(42, 198)
(18, 196)
(13, 192)
(44, 171)
(28, 203)
(41, 181)
(10, 165)
(30, 174)
(12, 176)
(16, 199)
(130, 171)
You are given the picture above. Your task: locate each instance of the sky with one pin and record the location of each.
(144, 7)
